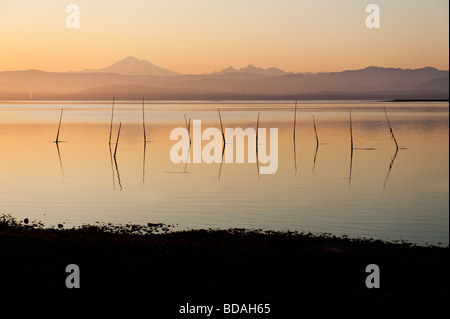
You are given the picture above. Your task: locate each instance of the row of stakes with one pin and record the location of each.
(188, 125)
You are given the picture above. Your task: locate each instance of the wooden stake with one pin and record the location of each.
(59, 126)
(351, 130)
(143, 120)
(257, 129)
(221, 127)
(351, 152)
(295, 117)
(390, 128)
(315, 130)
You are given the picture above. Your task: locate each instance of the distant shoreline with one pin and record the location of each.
(128, 80)
(193, 265)
(283, 99)
(419, 100)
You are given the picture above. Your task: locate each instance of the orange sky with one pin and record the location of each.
(200, 36)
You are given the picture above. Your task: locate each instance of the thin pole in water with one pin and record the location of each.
(315, 131)
(257, 129)
(351, 130)
(59, 126)
(390, 128)
(295, 117)
(221, 127)
(143, 120)
(351, 150)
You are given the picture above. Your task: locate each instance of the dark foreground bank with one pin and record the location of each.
(148, 262)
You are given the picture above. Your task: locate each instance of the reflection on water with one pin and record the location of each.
(352, 147)
(108, 170)
(60, 159)
(390, 168)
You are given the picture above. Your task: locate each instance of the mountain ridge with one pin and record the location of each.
(133, 66)
(229, 83)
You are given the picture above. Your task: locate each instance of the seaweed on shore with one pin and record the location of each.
(137, 262)
(8, 222)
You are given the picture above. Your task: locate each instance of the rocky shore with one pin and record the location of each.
(154, 263)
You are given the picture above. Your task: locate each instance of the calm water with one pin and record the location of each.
(378, 193)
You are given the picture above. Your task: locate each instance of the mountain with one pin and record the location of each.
(438, 83)
(247, 83)
(250, 69)
(133, 66)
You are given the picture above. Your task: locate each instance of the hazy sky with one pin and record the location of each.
(199, 36)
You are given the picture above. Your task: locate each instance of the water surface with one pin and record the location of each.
(375, 192)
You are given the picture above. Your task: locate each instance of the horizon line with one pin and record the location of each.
(87, 71)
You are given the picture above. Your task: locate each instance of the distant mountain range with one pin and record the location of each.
(133, 66)
(132, 79)
(254, 70)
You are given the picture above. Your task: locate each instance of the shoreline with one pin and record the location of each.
(220, 99)
(249, 265)
(419, 100)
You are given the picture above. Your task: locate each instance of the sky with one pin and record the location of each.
(202, 36)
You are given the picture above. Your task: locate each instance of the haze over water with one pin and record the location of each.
(376, 193)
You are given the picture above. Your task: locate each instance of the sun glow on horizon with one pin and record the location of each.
(201, 36)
